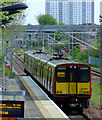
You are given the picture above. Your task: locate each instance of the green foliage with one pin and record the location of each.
(21, 52)
(3, 15)
(46, 20)
(61, 23)
(80, 55)
(8, 72)
(100, 18)
(96, 94)
(95, 53)
(95, 66)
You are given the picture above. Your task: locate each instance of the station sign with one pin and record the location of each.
(12, 108)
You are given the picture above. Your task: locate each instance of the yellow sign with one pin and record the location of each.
(61, 74)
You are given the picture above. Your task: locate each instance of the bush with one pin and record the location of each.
(80, 55)
(8, 72)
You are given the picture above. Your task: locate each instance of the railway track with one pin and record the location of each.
(75, 114)
(95, 72)
(79, 117)
(85, 116)
(19, 65)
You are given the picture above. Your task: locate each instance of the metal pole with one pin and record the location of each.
(38, 38)
(11, 56)
(88, 50)
(34, 41)
(3, 52)
(43, 38)
(101, 54)
(72, 45)
(54, 43)
(26, 41)
(48, 45)
(69, 45)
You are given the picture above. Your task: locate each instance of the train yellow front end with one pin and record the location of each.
(73, 82)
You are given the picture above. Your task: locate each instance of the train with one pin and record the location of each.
(67, 81)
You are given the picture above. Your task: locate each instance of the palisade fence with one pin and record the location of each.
(94, 61)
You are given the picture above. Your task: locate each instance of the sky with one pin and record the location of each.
(37, 7)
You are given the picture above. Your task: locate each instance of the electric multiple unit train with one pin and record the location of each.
(67, 81)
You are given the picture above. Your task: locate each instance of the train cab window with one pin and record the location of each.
(61, 74)
(73, 76)
(84, 74)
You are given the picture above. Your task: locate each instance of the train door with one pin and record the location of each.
(83, 84)
(61, 81)
(72, 80)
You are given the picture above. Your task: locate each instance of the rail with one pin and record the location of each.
(18, 59)
(18, 63)
(85, 116)
(95, 72)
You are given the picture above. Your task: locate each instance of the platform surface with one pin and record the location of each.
(37, 103)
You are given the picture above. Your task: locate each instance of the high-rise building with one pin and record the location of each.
(101, 11)
(101, 8)
(71, 11)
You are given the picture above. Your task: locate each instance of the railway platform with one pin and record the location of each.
(37, 104)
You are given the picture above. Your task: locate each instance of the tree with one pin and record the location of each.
(12, 25)
(100, 18)
(5, 16)
(46, 20)
(11, 14)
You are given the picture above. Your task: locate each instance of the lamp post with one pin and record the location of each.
(101, 54)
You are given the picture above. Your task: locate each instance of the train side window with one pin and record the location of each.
(42, 72)
(30, 63)
(84, 74)
(36, 68)
(49, 76)
(27, 61)
(41, 67)
(38, 73)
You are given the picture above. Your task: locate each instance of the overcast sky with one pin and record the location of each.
(37, 7)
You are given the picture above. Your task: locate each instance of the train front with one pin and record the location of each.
(73, 84)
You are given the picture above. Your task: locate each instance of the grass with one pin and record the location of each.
(96, 94)
(95, 66)
(19, 51)
(8, 72)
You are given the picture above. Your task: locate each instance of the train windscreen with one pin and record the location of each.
(84, 74)
(61, 74)
(67, 74)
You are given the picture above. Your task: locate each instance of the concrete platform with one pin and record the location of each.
(37, 104)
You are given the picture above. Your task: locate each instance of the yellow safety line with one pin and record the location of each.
(38, 103)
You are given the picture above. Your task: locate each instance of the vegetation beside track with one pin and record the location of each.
(96, 93)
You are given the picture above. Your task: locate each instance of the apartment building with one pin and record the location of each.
(71, 11)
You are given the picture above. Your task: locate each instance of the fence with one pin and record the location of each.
(94, 61)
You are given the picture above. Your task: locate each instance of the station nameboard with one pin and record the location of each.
(11, 108)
